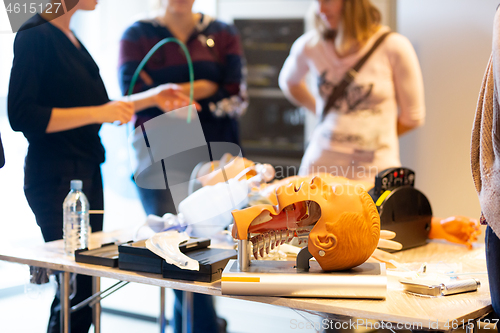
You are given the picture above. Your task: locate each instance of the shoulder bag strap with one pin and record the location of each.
(339, 89)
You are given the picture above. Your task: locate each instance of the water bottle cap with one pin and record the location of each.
(76, 184)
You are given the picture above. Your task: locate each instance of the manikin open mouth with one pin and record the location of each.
(339, 223)
(269, 231)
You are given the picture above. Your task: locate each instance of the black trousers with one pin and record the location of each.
(46, 185)
(492, 243)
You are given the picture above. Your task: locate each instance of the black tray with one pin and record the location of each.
(212, 263)
(137, 257)
(106, 255)
(139, 247)
(137, 263)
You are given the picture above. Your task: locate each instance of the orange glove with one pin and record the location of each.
(455, 229)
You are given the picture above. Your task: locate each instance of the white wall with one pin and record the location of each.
(452, 39)
(227, 10)
(208, 7)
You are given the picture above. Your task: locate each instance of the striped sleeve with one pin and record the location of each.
(131, 54)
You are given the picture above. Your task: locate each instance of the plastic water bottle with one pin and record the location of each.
(76, 223)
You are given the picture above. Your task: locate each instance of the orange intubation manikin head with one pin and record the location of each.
(341, 221)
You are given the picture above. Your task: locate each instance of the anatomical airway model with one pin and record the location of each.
(341, 222)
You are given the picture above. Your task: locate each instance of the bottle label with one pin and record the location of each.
(75, 232)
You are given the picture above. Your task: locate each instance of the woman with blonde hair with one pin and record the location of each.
(368, 89)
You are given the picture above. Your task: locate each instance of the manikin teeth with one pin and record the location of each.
(283, 234)
(263, 243)
(254, 246)
(266, 243)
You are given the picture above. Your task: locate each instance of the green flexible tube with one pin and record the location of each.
(150, 54)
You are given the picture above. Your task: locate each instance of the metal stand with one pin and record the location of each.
(243, 255)
(303, 259)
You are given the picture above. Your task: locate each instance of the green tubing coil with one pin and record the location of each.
(150, 54)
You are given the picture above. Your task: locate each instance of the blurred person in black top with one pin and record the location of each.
(58, 100)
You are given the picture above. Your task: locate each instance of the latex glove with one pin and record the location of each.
(456, 229)
(385, 242)
(166, 245)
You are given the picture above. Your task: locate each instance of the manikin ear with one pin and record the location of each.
(326, 241)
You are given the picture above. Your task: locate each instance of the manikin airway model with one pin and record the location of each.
(341, 222)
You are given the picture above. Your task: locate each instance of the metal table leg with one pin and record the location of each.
(162, 310)
(65, 302)
(187, 312)
(96, 308)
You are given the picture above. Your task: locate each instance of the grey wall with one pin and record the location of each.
(452, 39)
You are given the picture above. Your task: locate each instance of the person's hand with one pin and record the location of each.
(456, 229)
(169, 97)
(385, 242)
(114, 111)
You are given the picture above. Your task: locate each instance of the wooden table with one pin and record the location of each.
(442, 313)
